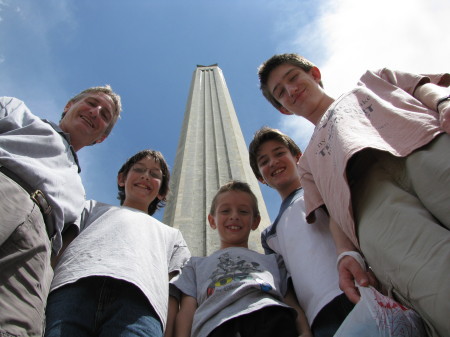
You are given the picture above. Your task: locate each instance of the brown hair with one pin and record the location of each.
(107, 90)
(163, 190)
(263, 135)
(235, 185)
(267, 67)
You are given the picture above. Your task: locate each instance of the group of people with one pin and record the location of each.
(366, 204)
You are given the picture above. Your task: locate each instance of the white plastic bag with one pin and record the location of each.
(376, 315)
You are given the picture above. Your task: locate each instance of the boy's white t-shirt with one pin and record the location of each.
(309, 254)
(126, 244)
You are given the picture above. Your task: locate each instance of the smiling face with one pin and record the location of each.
(234, 217)
(142, 184)
(298, 91)
(278, 167)
(87, 119)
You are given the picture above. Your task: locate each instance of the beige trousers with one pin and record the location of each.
(402, 212)
(25, 271)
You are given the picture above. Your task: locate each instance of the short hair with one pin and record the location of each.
(264, 135)
(107, 90)
(163, 190)
(267, 67)
(235, 185)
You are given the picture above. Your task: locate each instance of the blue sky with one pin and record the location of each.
(147, 51)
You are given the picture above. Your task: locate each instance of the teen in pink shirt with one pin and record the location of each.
(378, 161)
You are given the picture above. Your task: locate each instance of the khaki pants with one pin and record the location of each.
(402, 212)
(25, 271)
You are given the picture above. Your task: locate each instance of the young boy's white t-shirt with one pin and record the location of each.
(309, 254)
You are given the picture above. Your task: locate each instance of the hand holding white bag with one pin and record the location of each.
(376, 315)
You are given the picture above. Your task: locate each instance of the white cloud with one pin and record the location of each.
(407, 35)
(299, 129)
(351, 36)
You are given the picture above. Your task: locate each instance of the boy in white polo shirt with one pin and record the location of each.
(307, 249)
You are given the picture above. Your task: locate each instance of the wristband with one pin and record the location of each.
(353, 254)
(441, 100)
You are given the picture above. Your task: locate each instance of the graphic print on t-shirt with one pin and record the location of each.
(232, 271)
(347, 107)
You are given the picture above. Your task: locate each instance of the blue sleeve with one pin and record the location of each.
(267, 249)
(284, 275)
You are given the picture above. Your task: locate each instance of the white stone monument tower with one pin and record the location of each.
(211, 151)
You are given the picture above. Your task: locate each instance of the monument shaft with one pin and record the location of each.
(211, 151)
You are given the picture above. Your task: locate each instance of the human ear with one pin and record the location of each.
(315, 73)
(262, 181)
(298, 157)
(284, 111)
(68, 105)
(256, 222)
(120, 180)
(101, 139)
(212, 221)
(160, 197)
(66, 108)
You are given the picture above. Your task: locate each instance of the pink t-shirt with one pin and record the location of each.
(380, 113)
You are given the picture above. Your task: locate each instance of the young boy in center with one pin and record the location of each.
(378, 161)
(236, 291)
(308, 250)
(113, 278)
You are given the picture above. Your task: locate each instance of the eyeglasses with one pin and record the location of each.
(153, 172)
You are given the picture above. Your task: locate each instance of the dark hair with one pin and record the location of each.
(235, 185)
(163, 190)
(107, 90)
(263, 135)
(267, 67)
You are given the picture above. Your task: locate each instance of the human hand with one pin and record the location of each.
(351, 271)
